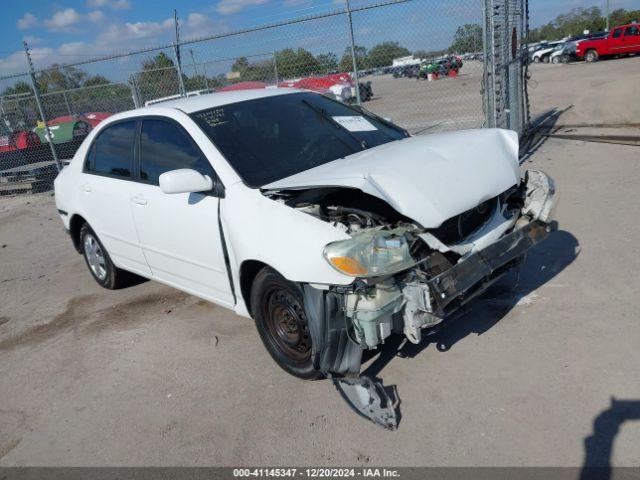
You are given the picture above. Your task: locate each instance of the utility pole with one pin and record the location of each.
(36, 93)
(608, 15)
(176, 51)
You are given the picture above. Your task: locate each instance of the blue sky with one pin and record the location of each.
(66, 31)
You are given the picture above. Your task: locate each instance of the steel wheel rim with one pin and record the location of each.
(95, 257)
(287, 325)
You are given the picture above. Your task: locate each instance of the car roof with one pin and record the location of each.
(217, 99)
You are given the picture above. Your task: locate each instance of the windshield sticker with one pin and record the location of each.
(214, 117)
(355, 123)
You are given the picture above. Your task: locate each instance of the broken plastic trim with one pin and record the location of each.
(370, 399)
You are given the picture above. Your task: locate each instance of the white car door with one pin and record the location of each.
(179, 233)
(106, 186)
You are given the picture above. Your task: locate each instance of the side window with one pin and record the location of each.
(631, 31)
(165, 147)
(617, 32)
(112, 152)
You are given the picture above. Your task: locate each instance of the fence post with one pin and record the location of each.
(275, 67)
(36, 93)
(353, 54)
(195, 69)
(134, 90)
(176, 51)
(66, 102)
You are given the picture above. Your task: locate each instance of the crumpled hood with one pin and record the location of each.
(428, 178)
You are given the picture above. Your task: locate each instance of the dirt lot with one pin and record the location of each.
(445, 104)
(151, 376)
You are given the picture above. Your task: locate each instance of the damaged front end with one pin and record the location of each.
(408, 279)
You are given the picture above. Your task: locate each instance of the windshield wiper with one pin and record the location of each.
(323, 114)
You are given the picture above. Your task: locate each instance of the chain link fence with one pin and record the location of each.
(428, 66)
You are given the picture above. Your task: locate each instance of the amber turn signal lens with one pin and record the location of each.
(348, 265)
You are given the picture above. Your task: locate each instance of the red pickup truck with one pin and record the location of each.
(620, 41)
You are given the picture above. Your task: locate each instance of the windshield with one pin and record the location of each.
(271, 138)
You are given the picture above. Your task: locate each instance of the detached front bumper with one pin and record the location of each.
(466, 278)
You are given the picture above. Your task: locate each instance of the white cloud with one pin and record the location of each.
(227, 7)
(63, 20)
(27, 21)
(68, 19)
(32, 40)
(199, 25)
(113, 4)
(109, 37)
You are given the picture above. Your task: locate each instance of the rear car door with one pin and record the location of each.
(179, 233)
(632, 39)
(106, 187)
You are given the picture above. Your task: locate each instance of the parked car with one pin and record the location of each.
(20, 140)
(543, 54)
(64, 129)
(622, 40)
(329, 226)
(568, 51)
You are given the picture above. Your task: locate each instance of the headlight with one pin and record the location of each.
(372, 253)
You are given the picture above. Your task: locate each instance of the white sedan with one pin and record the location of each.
(329, 226)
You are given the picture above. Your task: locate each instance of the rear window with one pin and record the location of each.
(271, 138)
(112, 152)
(631, 31)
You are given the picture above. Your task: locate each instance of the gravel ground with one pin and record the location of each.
(152, 376)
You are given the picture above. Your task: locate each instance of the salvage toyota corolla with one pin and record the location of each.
(331, 227)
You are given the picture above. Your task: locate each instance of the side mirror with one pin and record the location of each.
(185, 180)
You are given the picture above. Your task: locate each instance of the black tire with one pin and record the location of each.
(112, 277)
(278, 310)
(555, 60)
(591, 56)
(545, 59)
(536, 59)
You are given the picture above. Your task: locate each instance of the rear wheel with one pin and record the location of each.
(100, 265)
(591, 56)
(545, 59)
(278, 309)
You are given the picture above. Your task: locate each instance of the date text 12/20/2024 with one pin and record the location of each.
(316, 472)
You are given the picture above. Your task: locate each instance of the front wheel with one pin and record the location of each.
(555, 60)
(536, 59)
(278, 310)
(100, 265)
(591, 56)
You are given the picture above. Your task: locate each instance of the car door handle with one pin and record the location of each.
(86, 188)
(139, 199)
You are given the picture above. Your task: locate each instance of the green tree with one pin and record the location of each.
(622, 17)
(58, 77)
(575, 22)
(346, 62)
(296, 63)
(159, 78)
(383, 54)
(467, 39)
(328, 62)
(18, 87)
(96, 80)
